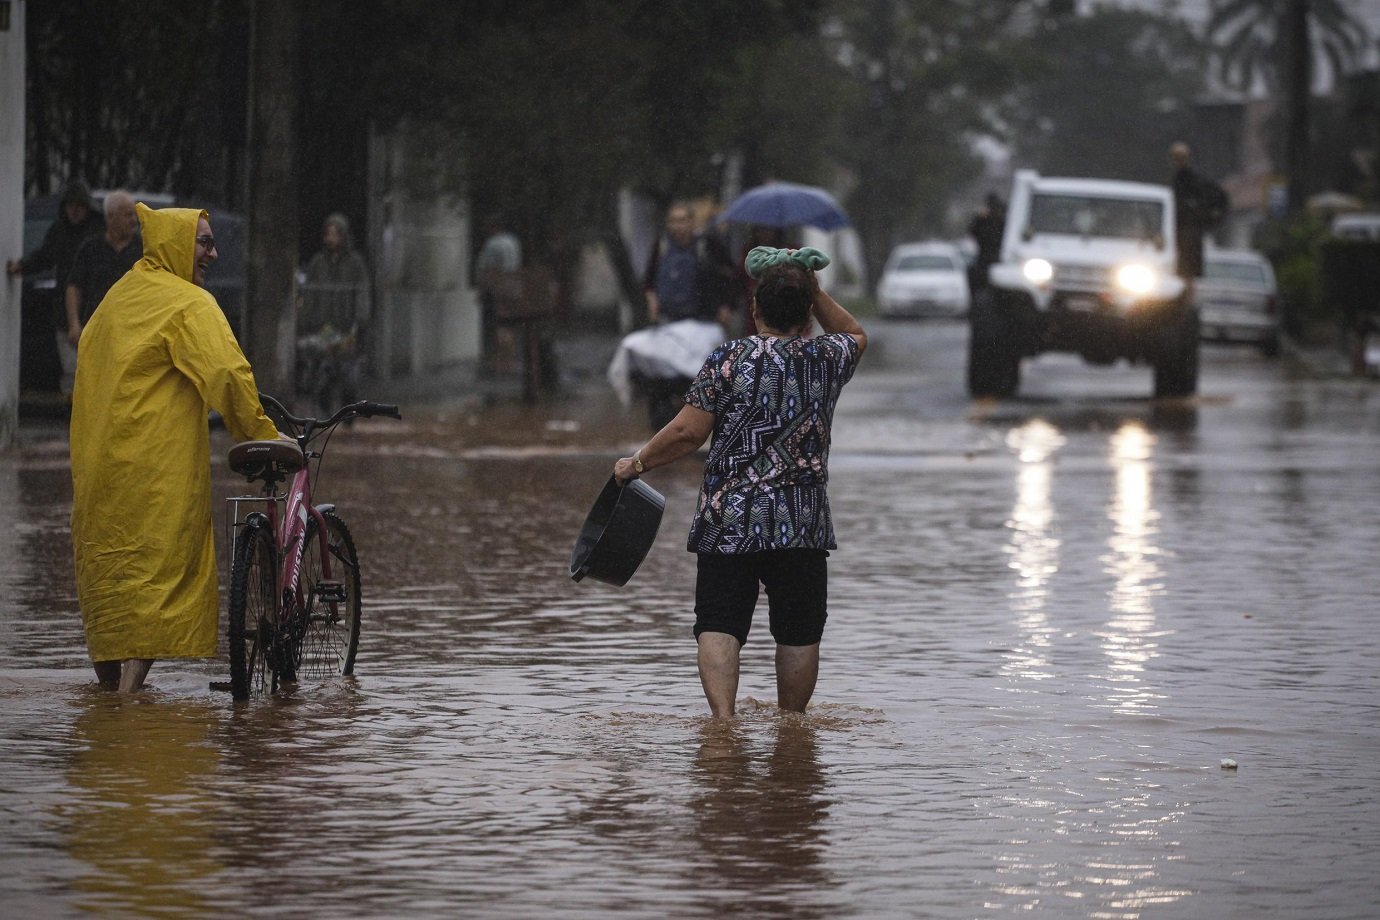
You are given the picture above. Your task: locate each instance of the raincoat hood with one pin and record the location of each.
(169, 238)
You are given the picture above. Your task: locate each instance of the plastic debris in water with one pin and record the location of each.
(1228, 763)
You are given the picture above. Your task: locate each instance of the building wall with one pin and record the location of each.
(428, 310)
(11, 207)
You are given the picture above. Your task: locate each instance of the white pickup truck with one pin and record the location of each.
(1087, 266)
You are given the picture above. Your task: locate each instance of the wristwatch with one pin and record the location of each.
(637, 463)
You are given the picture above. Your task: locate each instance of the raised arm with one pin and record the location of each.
(834, 318)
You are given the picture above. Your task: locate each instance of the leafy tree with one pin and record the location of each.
(552, 107)
(920, 78)
(1278, 41)
(1105, 94)
(118, 92)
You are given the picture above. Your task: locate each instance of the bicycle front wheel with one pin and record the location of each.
(330, 592)
(253, 614)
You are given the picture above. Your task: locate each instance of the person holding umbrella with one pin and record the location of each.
(763, 516)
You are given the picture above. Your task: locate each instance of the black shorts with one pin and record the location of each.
(797, 583)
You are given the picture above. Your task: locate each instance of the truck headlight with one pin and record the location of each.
(1037, 271)
(1136, 279)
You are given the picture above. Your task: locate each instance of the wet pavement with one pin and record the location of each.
(1053, 618)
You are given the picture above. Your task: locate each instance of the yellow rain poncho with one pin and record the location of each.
(157, 354)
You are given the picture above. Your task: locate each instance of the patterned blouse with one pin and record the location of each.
(773, 404)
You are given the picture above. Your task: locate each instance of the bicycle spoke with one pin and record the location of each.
(332, 603)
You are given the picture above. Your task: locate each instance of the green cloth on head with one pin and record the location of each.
(764, 257)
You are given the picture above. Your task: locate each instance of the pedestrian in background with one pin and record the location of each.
(100, 261)
(689, 276)
(333, 313)
(155, 358)
(986, 229)
(763, 515)
(1199, 206)
(499, 259)
(77, 219)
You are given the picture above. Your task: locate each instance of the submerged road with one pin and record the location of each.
(1056, 623)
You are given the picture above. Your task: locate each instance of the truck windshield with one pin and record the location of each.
(1085, 215)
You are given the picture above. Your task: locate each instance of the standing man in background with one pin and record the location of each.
(689, 276)
(500, 255)
(333, 315)
(102, 260)
(1199, 206)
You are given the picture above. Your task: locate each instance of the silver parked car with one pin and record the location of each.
(924, 279)
(1238, 299)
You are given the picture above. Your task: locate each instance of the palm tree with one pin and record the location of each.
(1276, 41)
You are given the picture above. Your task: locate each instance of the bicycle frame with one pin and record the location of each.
(304, 607)
(289, 530)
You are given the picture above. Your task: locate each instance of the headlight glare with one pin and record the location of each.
(1136, 279)
(1038, 271)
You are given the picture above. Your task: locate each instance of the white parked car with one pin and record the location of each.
(924, 279)
(1356, 226)
(1238, 300)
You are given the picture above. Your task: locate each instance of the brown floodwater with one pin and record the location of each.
(1051, 622)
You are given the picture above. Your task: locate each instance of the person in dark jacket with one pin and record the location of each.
(77, 219)
(102, 260)
(689, 276)
(333, 313)
(986, 229)
(1199, 205)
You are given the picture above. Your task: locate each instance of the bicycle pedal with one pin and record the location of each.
(332, 592)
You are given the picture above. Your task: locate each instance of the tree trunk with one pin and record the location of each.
(1298, 149)
(266, 327)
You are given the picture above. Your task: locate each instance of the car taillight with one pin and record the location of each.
(1271, 305)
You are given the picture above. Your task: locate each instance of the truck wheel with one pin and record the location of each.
(994, 362)
(1176, 365)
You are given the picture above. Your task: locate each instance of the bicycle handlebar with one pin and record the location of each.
(362, 409)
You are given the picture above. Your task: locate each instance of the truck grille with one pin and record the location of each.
(1082, 278)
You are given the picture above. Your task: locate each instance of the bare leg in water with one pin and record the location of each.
(107, 674)
(133, 674)
(718, 662)
(797, 669)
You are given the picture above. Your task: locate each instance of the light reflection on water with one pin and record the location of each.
(1034, 545)
(1046, 631)
(1129, 639)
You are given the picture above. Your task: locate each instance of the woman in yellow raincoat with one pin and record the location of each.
(157, 354)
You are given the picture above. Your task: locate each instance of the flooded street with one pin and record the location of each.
(1052, 619)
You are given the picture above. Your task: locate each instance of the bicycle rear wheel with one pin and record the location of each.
(330, 591)
(253, 614)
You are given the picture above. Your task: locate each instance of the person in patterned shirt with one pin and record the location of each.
(762, 519)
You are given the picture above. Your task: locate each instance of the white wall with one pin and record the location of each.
(11, 211)
(427, 312)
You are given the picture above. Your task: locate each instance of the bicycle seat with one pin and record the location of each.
(271, 461)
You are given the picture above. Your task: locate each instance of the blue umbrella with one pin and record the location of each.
(785, 204)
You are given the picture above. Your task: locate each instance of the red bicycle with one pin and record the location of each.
(294, 578)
